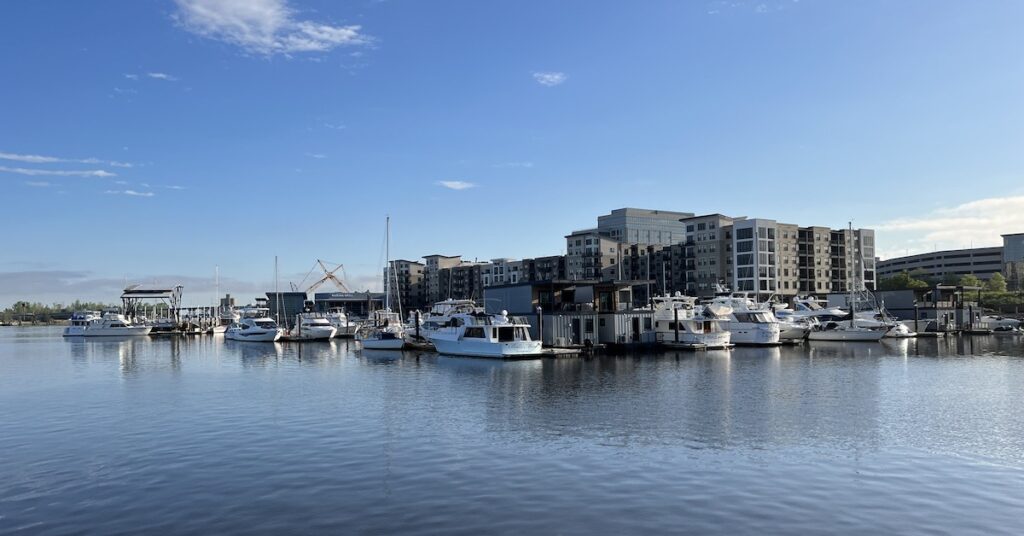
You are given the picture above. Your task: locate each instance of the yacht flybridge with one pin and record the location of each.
(439, 316)
(676, 324)
(748, 324)
(485, 335)
(310, 327)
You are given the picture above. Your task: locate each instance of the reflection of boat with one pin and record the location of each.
(848, 330)
(676, 324)
(485, 335)
(310, 327)
(254, 330)
(109, 325)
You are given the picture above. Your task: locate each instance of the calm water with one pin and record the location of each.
(207, 436)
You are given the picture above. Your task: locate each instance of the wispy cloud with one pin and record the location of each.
(335, 126)
(316, 155)
(549, 78)
(978, 223)
(58, 172)
(37, 184)
(131, 76)
(514, 165)
(162, 76)
(457, 185)
(265, 27)
(40, 159)
(174, 187)
(130, 192)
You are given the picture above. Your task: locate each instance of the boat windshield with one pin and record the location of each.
(265, 324)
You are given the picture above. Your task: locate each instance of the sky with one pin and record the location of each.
(156, 141)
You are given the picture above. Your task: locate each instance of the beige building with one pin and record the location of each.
(591, 255)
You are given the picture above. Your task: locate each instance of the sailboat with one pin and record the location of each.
(385, 330)
(848, 332)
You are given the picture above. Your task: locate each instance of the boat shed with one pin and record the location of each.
(356, 304)
(575, 312)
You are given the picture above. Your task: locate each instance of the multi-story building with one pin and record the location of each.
(408, 283)
(707, 258)
(502, 272)
(462, 282)
(433, 290)
(787, 265)
(643, 226)
(754, 259)
(815, 260)
(591, 255)
(550, 268)
(937, 265)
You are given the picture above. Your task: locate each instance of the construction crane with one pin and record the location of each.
(328, 276)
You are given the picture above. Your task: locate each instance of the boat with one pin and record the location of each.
(746, 321)
(254, 329)
(485, 335)
(849, 329)
(385, 330)
(310, 327)
(677, 325)
(439, 315)
(107, 325)
(343, 325)
(78, 322)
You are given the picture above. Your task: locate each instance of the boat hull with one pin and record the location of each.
(253, 335)
(753, 334)
(382, 344)
(499, 350)
(710, 341)
(841, 335)
(311, 334)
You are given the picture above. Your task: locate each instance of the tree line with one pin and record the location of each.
(41, 312)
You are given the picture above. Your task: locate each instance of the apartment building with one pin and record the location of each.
(407, 284)
(644, 226)
(591, 255)
(502, 272)
(433, 289)
(707, 259)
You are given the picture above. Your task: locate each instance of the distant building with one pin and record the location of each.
(982, 262)
(356, 304)
(643, 226)
(543, 268)
(408, 283)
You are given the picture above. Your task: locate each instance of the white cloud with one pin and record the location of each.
(162, 76)
(174, 187)
(58, 172)
(457, 185)
(549, 78)
(130, 76)
(978, 223)
(514, 165)
(263, 26)
(39, 159)
(37, 184)
(130, 192)
(316, 155)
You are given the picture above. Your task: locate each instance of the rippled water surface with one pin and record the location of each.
(211, 436)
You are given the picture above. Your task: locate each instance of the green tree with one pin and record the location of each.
(997, 283)
(970, 280)
(901, 281)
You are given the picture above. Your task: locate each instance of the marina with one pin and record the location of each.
(843, 435)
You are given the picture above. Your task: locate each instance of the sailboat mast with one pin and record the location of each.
(853, 304)
(387, 260)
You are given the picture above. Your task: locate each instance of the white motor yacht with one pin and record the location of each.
(78, 322)
(485, 335)
(310, 327)
(439, 316)
(108, 325)
(342, 323)
(254, 329)
(676, 324)
(748, 323)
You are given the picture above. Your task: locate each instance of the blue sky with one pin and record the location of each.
(183, 135)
